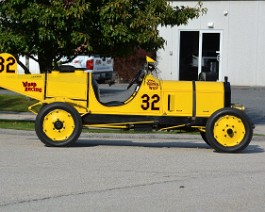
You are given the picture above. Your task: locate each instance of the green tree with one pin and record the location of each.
(51, 29)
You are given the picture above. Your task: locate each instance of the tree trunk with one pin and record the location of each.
(45, 63)
(26, 69)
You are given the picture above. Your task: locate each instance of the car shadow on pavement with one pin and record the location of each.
(104, 142)
(253, 149)
(187, 144)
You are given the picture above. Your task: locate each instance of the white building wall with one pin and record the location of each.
(34, 67)
(260, 74)
(242, 27)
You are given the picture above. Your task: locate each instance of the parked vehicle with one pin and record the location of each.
(101, 67)
(69, 101)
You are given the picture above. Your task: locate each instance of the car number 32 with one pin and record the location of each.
(7, 63)
(150, 102)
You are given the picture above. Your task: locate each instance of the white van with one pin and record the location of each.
(101, 67)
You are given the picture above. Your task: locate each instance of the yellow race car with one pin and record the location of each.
(70, 101)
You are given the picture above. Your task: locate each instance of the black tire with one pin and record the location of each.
(58, 124)
(229, 130)
(203, 135)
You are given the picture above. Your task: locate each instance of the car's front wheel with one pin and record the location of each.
(229, 130)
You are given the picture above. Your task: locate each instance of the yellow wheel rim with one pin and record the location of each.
(58, 125)
(229, 131)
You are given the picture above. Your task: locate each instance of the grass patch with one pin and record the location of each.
(17, 125)
(18, 103)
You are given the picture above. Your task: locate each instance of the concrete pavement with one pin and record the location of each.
(129, 172)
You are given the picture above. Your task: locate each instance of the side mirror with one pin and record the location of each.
(150, 67)
(150, 63)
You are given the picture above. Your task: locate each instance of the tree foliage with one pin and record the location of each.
(52, 29)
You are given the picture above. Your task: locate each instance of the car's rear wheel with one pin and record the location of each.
(58, 124)
(229, 130)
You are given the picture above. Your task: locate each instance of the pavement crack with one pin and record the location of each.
(89, 192)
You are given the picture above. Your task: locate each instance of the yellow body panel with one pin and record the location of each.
(178, 98)
(153, 98)
(47, 88)
(70, 85)
(209, 98)
(31, 85)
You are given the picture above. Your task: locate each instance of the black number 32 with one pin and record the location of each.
(10, 61)
(148, 102)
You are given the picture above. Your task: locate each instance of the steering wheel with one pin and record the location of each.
(137, 78)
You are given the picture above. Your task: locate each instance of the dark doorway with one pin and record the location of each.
(199, 52)
(189, 46)
(210, 53)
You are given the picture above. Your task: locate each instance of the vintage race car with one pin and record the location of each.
(70, 101)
